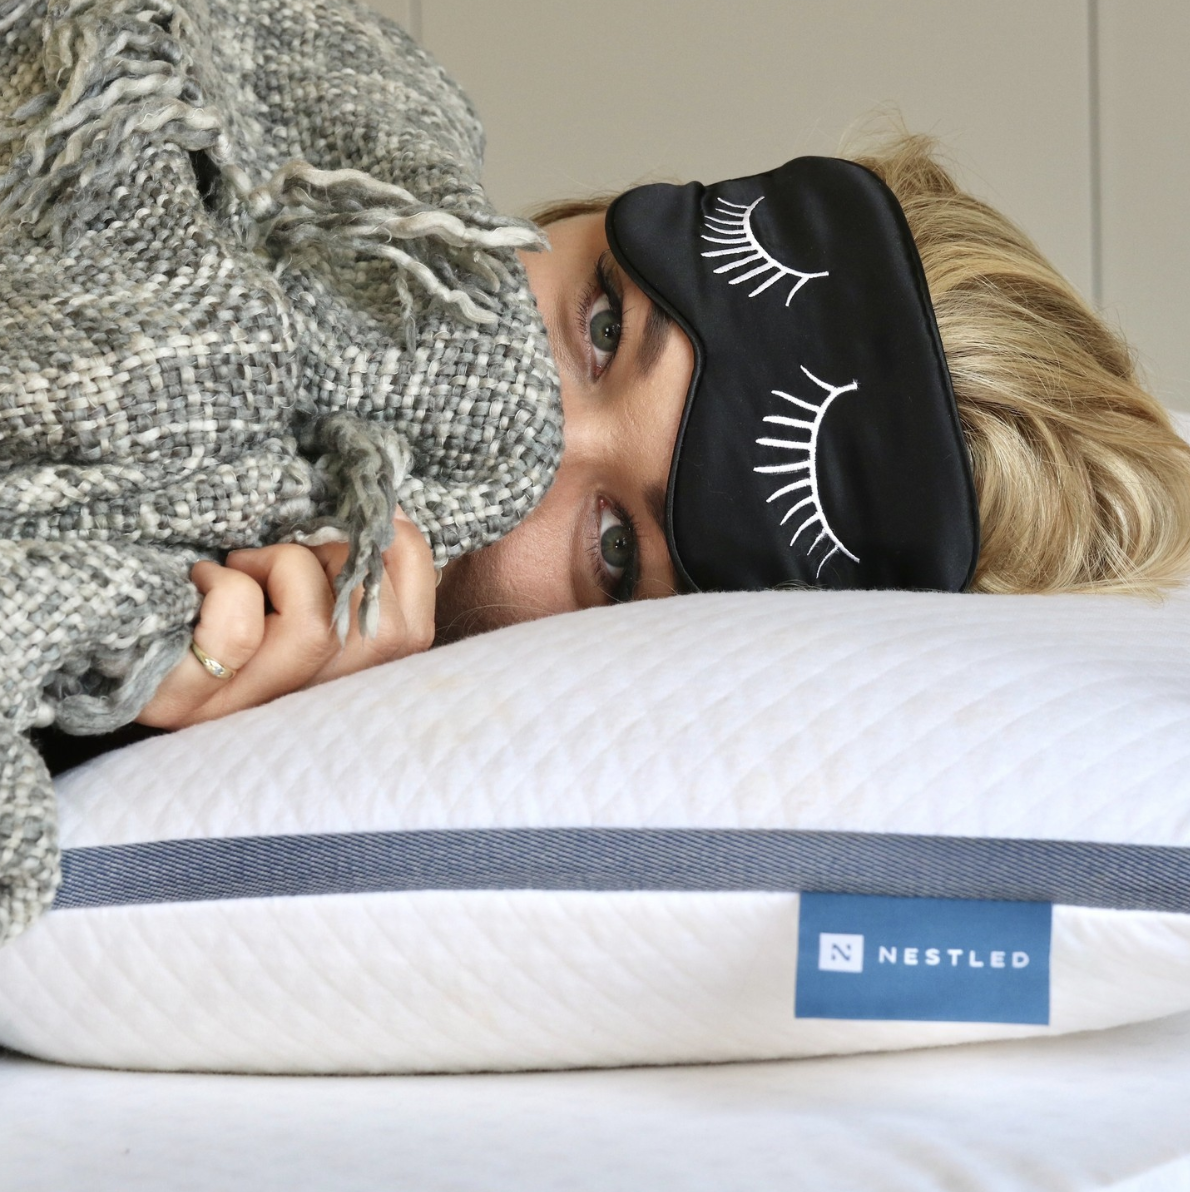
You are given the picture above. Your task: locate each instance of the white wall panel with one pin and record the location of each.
(579, 96)
(1145, 114)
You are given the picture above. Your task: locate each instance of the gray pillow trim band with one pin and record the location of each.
(1120, 876)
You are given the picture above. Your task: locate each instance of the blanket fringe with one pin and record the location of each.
(11, 11)
(363, 464)
(136, 672)
(120, 77)
(348, 211)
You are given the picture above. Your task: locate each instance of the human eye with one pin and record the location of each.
(601, 316)
(615, 554)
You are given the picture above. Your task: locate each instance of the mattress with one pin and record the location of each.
(1104, 1111)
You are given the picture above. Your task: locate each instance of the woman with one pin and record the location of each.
(232, 315)
(1081, 482)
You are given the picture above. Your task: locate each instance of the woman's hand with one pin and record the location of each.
(292, 645)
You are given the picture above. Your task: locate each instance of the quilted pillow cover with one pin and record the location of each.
(717, 827)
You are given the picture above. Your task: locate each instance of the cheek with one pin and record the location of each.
(530, 566)
(533, 563)
(524, 576)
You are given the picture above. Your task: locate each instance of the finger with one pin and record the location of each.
(406, 604)
(230, 629)
(298, 639)
(409, 565)
(287, 573)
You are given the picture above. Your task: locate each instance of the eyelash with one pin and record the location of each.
(602, 283)
(731, 224)
(625, 586)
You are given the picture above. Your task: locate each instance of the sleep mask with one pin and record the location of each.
(820, 443)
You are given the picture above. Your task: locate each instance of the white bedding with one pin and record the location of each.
(1105, 1111)
(1004, 720)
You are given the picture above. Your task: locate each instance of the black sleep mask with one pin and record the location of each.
(820, 443)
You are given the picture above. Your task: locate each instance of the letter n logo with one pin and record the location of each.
(840, 953)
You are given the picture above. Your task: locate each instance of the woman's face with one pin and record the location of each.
(598, 536)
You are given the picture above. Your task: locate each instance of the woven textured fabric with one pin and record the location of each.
(250, 291)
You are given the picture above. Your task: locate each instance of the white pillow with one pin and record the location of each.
(582, 842)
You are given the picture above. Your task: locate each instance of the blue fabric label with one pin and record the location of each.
(923, 959)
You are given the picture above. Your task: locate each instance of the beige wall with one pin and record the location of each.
(1069, 114)
(1144, 53)
(584, 96)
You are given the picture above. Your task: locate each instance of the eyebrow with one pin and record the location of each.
(652, 340)
(655, 504)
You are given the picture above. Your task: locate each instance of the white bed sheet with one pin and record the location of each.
(1109, 1110)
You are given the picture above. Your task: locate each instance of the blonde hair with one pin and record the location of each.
(1083, 483)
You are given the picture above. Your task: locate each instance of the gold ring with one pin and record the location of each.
(215, 669)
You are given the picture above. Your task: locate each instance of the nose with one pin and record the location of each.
(582, 436)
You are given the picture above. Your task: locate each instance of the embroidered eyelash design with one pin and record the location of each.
(733, 225)
(806, 487)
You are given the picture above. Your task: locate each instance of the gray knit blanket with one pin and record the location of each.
(250, 291)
